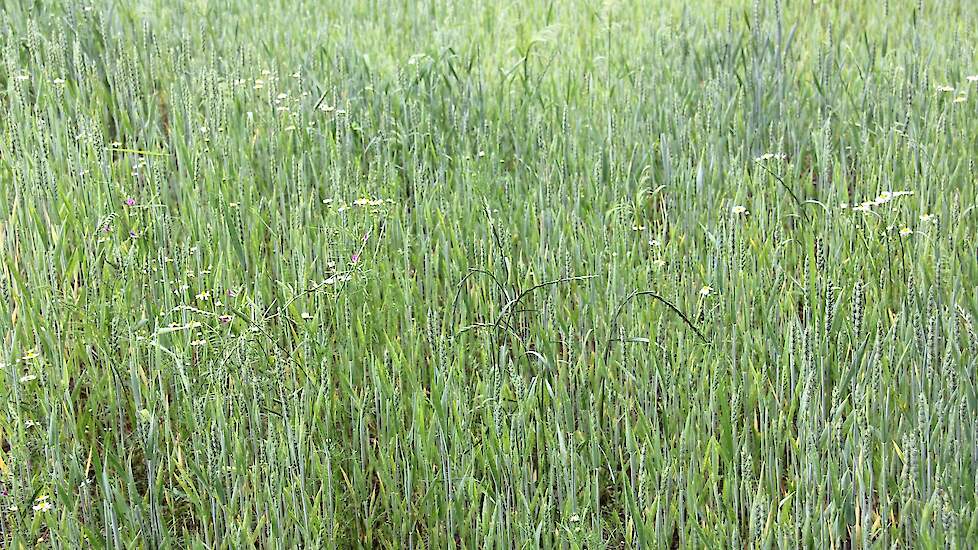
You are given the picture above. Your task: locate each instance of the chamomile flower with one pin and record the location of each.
(926, 217)
(31, 355)
(887, 196)
(41, 504)
(739, 210)
(945, 89)
(706, 290)
(906, 232)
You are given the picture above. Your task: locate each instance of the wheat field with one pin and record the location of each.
(459, 274)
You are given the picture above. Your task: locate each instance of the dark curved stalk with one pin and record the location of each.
(472, 272)
(635, 294)
(801, 206)
(515, 301)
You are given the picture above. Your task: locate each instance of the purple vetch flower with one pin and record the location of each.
(133, 234)
(225, 319)
(355, 258)
(106, 228)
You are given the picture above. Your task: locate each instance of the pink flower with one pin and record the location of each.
(355, 258)
(225, 319)
(130, 201)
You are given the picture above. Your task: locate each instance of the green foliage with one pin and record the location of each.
(486, 274)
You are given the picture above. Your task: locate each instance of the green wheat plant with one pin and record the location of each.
(459, 274)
